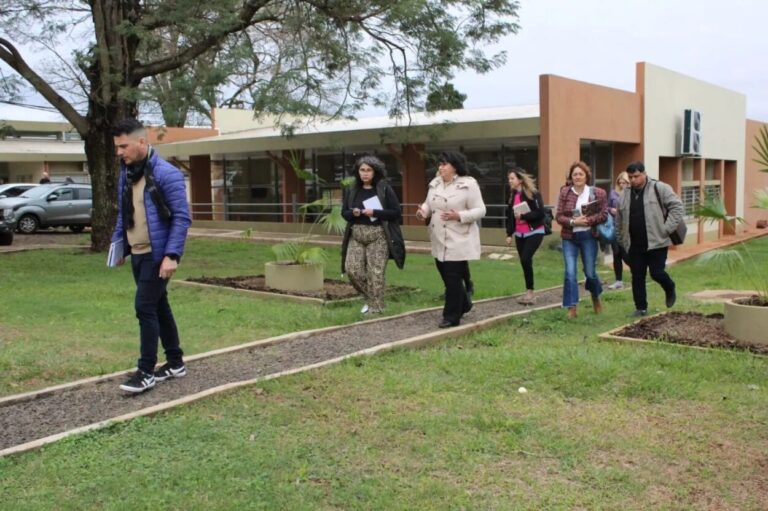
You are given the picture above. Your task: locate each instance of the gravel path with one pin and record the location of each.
(78, 406)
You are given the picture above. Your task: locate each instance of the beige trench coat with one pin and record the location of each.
(454, 240)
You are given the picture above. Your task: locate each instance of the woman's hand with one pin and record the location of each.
(420, 214)
(518, 215)
(450, 214)
(580, 221)
(368, 212)
(613, 211)
(355, 211)
(509, 241)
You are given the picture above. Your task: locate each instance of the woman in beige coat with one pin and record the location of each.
(455, 205)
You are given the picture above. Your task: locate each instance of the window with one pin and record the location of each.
(690, 198)
(65, 194)
(84, 193)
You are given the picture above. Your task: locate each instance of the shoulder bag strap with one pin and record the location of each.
(661, 204)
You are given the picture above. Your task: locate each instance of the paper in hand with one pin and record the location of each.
(521, 208)
(373, 203)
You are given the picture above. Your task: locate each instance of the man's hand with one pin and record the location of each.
(167, 268)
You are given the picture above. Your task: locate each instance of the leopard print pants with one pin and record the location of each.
(366, 263)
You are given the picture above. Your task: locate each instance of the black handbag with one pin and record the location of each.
(678, 235)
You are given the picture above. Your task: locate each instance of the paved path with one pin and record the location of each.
(32, 419)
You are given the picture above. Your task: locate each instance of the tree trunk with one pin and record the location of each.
(103, 167)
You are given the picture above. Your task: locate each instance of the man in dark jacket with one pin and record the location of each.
(648, 213)
(152, 223)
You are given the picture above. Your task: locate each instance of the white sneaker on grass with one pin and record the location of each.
(616, 285)
(365, 309)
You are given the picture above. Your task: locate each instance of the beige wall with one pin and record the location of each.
(666, 94)
(753, 178)
(572, 111)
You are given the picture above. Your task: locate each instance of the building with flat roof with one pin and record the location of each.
(245, 173)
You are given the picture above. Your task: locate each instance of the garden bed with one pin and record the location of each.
(685, 328)
(333, 290)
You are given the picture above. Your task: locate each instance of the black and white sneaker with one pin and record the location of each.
(138, 382)
(166, 371)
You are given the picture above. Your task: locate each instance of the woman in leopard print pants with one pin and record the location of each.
(369, 204)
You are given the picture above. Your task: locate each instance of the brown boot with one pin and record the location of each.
(597, 304)
(572, 312)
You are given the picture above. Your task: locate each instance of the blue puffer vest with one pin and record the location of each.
(165, 237)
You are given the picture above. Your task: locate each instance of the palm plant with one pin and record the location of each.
(327, 215)
(712, 209)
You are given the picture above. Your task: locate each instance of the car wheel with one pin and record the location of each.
(28, 224)
(6, 238)
(76, 228)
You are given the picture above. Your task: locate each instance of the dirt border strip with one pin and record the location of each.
(412, 342)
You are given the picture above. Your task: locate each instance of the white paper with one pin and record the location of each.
(521, 208)
(373, 203)
(115, 253)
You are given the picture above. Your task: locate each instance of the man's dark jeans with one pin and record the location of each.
(640, 261)
(154, 314)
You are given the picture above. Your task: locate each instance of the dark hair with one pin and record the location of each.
(379, 170)
(456, 159)
(580, 165)
(635, 166)
(127, 126)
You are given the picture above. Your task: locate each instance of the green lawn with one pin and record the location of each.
(602, 426)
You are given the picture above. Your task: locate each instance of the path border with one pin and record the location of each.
(411, 342)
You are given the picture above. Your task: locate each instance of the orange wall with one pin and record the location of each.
(570, 111)
(753, 178)
(168, 135)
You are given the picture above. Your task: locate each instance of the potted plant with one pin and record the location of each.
(745, 319)
(298, 265)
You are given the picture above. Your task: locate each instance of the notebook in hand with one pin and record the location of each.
(590, 208)
(521, 208)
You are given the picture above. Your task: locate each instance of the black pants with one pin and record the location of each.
(456, 299)
(640, 261)
(154, 314)
(618, 260)
(526, 247)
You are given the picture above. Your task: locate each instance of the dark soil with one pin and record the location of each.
(35, 418)
(690, 328)
(332, 289)
(754, 300)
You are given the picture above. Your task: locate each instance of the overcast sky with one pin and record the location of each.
(724, 42)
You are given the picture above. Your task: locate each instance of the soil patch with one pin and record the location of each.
(689, 328)
(332, 289)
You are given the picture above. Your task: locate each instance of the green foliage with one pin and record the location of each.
(445, 97)
(712, 210)
(761, 148)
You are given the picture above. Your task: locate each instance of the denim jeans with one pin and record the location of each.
(582, 242)
(154, 314)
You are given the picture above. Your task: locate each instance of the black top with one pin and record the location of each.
(535, 217)
(638, 237)
(355, 199)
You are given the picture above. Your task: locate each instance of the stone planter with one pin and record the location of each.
(294, 277)
(746, 322)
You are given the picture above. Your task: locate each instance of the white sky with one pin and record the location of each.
(599, 41)
(722, 42)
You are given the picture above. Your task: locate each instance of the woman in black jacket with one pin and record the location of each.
(525, 224)
(373, 234)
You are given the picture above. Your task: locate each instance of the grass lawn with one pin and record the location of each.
(602, 426)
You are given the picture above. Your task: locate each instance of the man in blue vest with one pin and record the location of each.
(152, 223)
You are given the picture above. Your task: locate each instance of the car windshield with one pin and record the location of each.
(37, 192)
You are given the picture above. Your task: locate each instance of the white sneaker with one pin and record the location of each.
(365, 309)
(616, 285)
